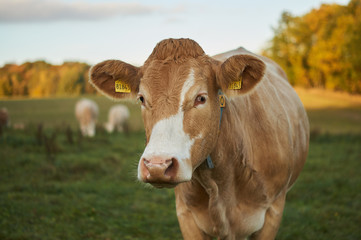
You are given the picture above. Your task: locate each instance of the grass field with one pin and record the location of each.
(88, 189)
(332, 112)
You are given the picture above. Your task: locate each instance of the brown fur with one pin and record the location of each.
(109, 71)
(175, 49)
(258, 150)
(248, 68)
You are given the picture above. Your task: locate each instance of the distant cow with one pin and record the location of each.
(228, 132)
(4, 119)
(86, 112)
(117, 118)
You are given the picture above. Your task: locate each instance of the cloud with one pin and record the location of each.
(54, 10)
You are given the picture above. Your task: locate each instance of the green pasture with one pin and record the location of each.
(331, 112)
(54, 184)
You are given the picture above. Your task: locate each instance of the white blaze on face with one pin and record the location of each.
(169, 140)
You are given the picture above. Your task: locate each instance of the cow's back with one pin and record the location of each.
(273, 124)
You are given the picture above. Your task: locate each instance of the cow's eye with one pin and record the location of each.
(200, 99)
(141, 99)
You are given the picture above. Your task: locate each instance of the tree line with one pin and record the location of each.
(41, 79)
(321, 48)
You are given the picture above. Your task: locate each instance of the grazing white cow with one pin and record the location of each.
(117, 118)
(86, 112)
(232, 155)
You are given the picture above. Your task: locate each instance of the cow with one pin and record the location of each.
(117, 118)
(4, 119)
(228, 132)
(86, 112)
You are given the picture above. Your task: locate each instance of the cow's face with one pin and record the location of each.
(180, 112)
(178, 91)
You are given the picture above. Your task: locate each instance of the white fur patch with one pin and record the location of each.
(171, 142)
(186, 86)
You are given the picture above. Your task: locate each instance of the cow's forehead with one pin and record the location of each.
(163, 82)
(167, 86)
(168, 77)
(165, 74)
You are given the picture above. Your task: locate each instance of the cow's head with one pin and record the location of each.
(178, 90)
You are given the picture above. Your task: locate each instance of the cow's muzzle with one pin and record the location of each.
(159, 171)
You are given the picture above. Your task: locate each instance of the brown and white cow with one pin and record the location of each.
(258, 145)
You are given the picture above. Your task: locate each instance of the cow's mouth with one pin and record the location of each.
(164, 185)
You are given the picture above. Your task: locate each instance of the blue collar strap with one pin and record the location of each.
(222, 104)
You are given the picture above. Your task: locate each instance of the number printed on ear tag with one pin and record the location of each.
(121, 86)
(236, 85)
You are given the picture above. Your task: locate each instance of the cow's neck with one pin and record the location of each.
(227, 157)
(217, 207)
(231, 172)
(229, 146)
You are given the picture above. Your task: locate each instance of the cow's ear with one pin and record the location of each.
(239, 74)
(115, 79)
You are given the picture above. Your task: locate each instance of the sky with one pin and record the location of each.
(91, 31)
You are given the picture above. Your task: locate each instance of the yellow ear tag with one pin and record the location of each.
(121, 86)
(236, 85)
(222, 101)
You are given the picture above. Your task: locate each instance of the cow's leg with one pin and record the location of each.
(188, 226)
(272, 220)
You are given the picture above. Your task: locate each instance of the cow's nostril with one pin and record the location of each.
(144, 168)
(146, 162)
(172, 169)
